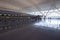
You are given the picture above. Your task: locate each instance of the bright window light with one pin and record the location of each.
(50, 23)
(48, 13)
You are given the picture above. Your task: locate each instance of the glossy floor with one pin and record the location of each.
(31, 31)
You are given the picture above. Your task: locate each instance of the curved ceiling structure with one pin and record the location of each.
(26, 5)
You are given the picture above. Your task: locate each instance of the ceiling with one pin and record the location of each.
(22, 5)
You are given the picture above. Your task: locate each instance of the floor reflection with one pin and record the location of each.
(52, 23)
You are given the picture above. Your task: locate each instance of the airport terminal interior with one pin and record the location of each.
(29, 19)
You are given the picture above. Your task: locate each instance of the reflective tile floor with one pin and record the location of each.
(50, 23)
(37, 30)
